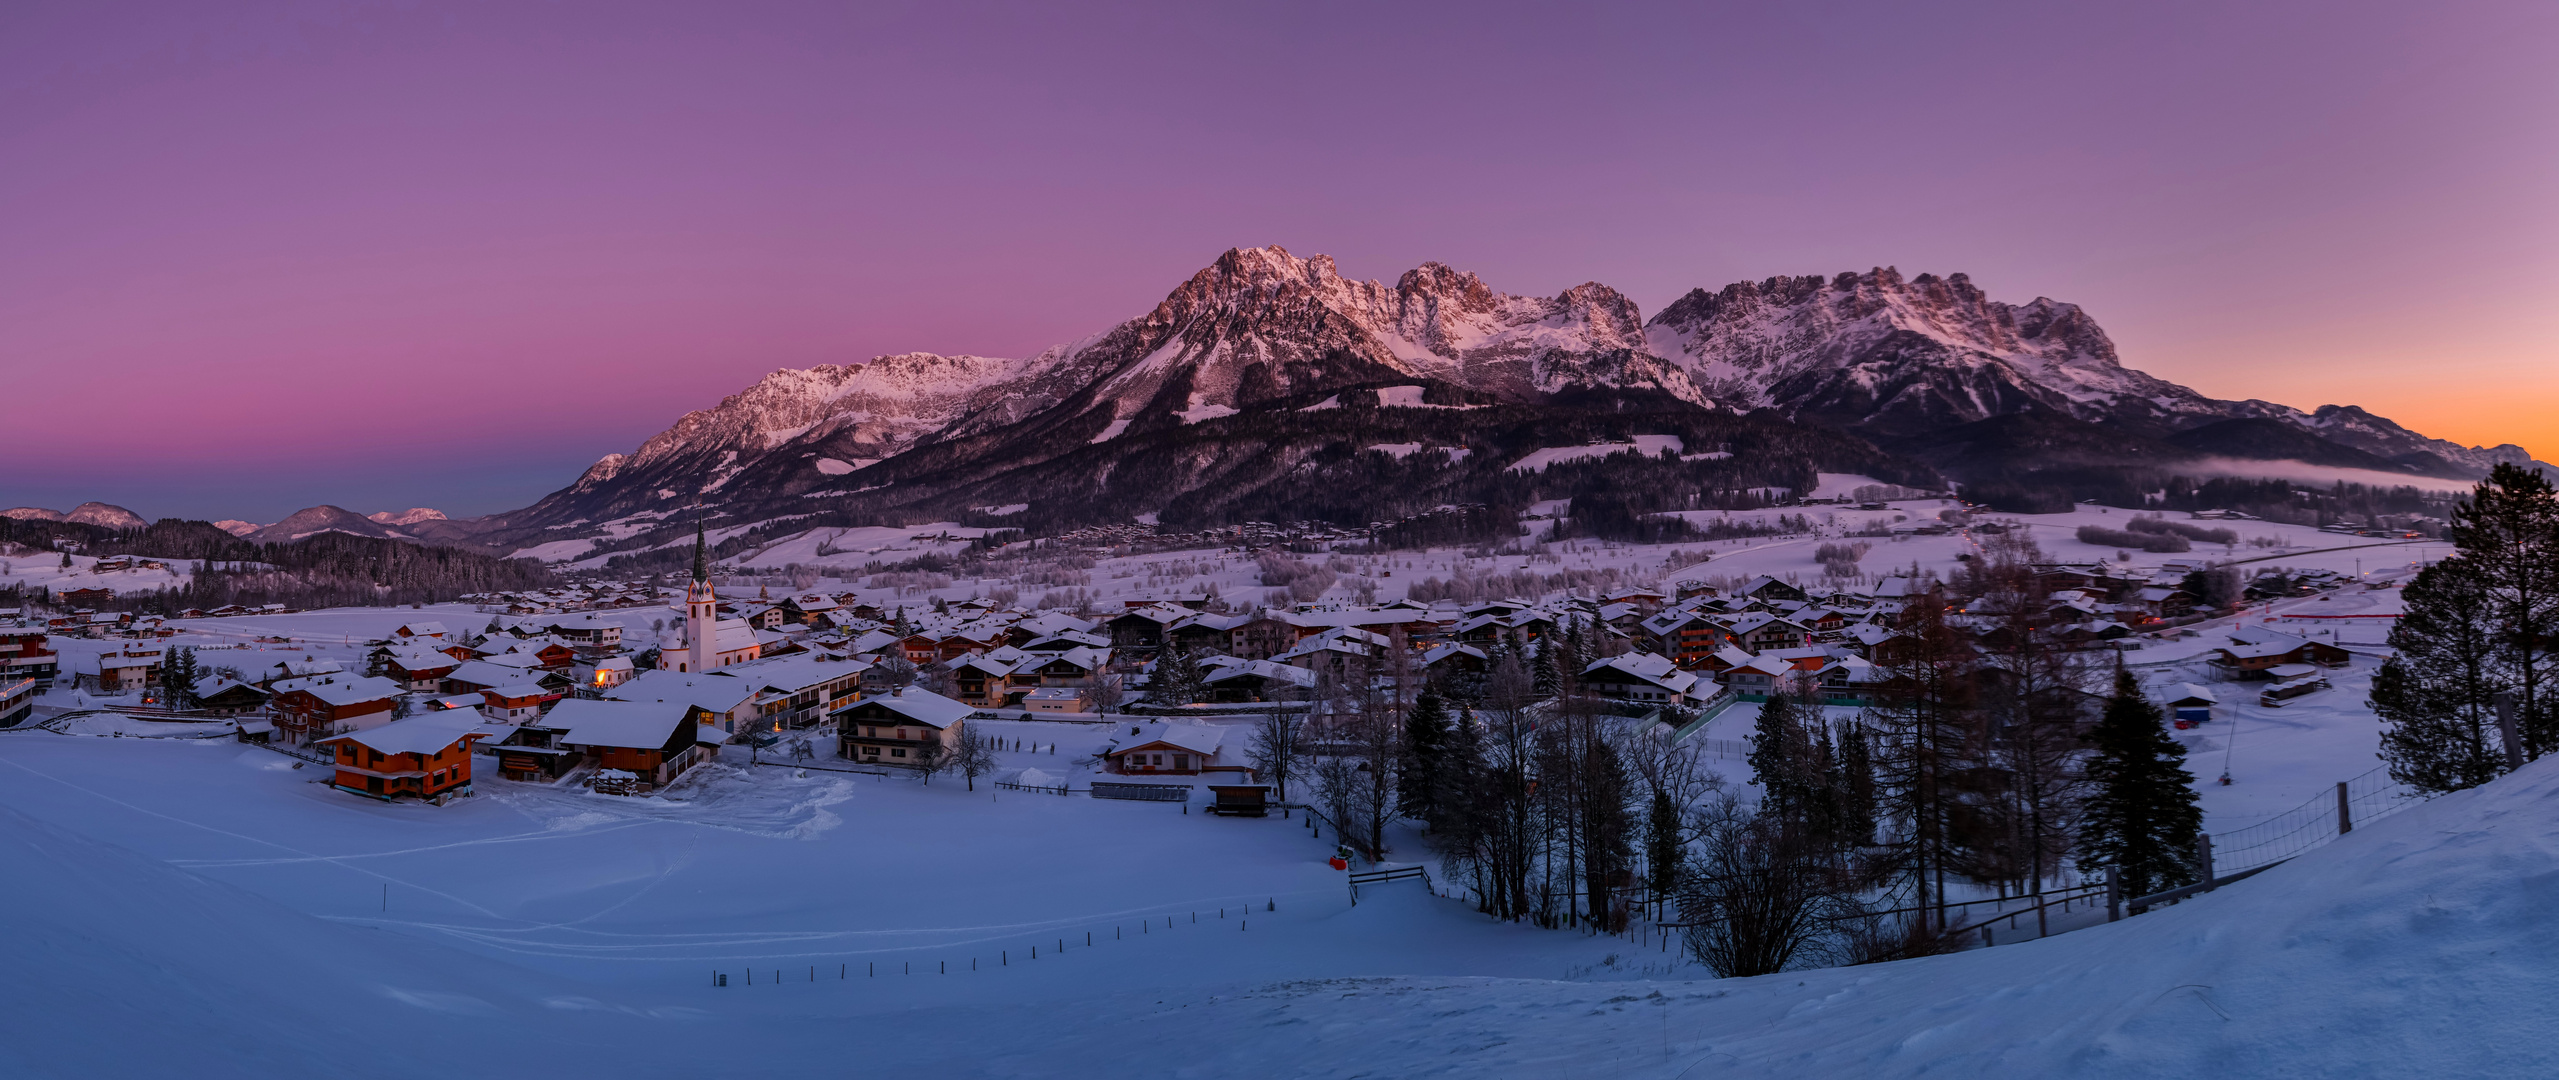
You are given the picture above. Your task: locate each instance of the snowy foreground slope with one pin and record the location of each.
(224, 920)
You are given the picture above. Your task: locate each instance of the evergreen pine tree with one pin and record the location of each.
(2508, 534)
(1778, 754)
(1826, 786)
(2436, 695)
(178, 673)
(1857, 777)
(1542, 669)
(2141, 817)
(1662, 843)
(1177, 678)
(1426, 734)
(1460, 814)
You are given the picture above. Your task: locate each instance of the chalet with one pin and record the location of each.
(810, 608)
(1074, 667)
(1262, 637)
(422, 757)
(1453, 657)
(418, 670)
(518, 704)
(81, 598)
(1640, 677)
(1159, 749)
(2163, 602)
(1686, 637)
(125, 670)
(2252, 654)
(1759, 631)
(897, 728)
(1205, 633)
(1341, 652)
(1850, 680)
(304, 709)
(1142, 629)
(1646, 601)
(1864, 639)
(1240, 680)
(585, 631)
(653, 740)
(25, 653)
(981, 681)
(1764, 587)
(228, 697)
(1762, 677)
(407, 631)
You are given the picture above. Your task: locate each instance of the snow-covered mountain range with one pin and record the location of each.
(1262, 341)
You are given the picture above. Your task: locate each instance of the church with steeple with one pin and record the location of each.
(707, 642)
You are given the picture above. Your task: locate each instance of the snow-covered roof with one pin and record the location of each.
(426, 734)
(1230, 668)
(714, 691)
(630, 725)
(2186, 692)
(921, 706)
(341, 689)
(1196, 738)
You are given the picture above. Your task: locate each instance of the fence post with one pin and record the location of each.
(2345, 811)
(2203, 858)
(2114, 894)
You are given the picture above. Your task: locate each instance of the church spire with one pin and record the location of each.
(701, 554)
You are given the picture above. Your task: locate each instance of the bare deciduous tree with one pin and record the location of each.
(973, 756)
(1277, 749)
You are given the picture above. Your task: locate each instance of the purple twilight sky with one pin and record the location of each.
(256, 256)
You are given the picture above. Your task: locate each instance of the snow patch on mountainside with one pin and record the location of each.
(1647, 445)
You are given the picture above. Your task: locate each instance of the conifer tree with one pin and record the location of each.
(1662, 842)
(1425, 738)
(2508, 533)
(1542, 670)
(1177, 679)
(1779, 752)
(1857, 785)
(2142, 817)
(2436, 695)
(178, 674)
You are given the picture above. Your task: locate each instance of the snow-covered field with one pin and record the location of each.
(44, 570)
(205, 908)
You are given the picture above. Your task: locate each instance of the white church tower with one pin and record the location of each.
(701, 610)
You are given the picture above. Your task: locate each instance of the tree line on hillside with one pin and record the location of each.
(326, 570)
(2056, 490)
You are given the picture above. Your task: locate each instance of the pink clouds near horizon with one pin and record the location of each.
(380, 255)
